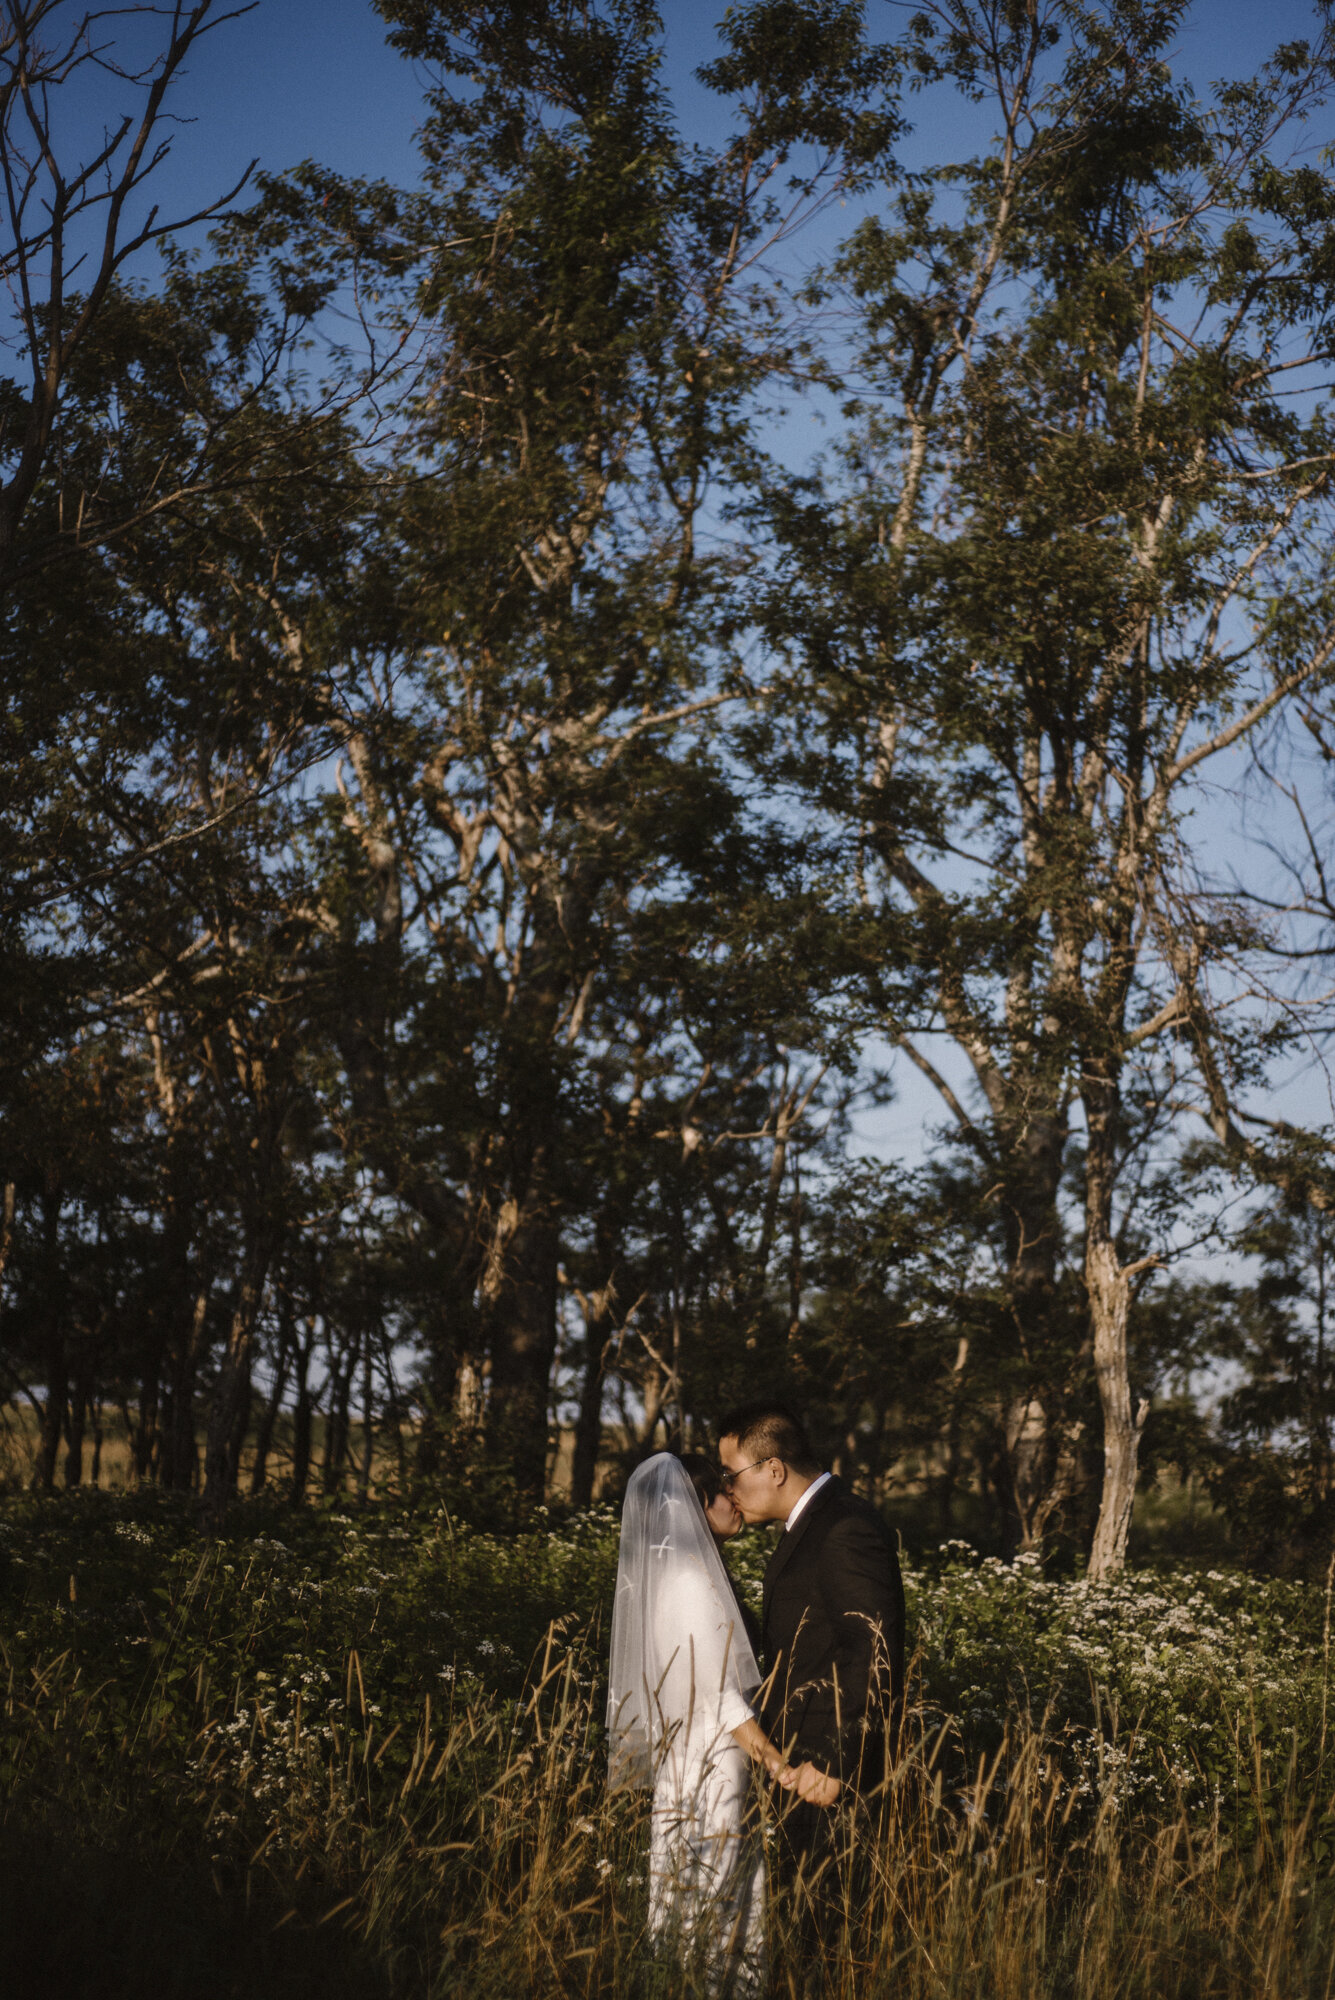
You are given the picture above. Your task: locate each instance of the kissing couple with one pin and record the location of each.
(690, 1715)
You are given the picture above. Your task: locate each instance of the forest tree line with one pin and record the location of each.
(484, 813)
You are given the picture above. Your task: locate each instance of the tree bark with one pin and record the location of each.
(1107, 1279)
(599, 1309)
(95, 1470)
(180, 1457)
(393, 1417)
(1109, 1284)
(229, 1409)
(147, 1437)
(259, 1471)
(78, 1405)
(82, 1365)
(301, 1417)
(368, 1420)
(589, 1421)
(1026, 1464)
(341, 1369)
(523, 1346)
(57, 1384)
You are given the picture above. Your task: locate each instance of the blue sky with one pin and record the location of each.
(314, 79)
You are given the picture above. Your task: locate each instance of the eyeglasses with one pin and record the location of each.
(729, 1479)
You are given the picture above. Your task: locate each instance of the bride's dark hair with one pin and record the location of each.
(703, 1475)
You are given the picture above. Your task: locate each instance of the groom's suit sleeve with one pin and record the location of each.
(864, 1601)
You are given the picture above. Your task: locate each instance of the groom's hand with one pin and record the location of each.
(818, 1788)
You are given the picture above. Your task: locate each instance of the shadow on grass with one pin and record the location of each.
(81, 1921)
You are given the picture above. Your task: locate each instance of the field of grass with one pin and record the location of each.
(358, 1753)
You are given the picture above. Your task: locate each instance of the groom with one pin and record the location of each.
(833, 1624)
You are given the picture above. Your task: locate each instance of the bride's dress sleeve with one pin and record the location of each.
(698, 1637)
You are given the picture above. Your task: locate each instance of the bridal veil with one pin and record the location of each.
(682, 1670)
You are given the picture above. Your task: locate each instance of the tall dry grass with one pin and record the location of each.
(187, 1837)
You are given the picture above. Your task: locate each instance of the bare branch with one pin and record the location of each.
(38, 263)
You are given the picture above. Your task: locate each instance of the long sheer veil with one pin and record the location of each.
(682, 1665)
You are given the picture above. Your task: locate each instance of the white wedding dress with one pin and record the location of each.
(682, 1674)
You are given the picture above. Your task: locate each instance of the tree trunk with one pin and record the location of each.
(1109, 1286)
(341, 1369)
(1029, 1428)
(83, 1361)
(95, 1470)
(599, 1309)
(243, 1411)
(83, 1368)
(78, 1407)
(259, 1472)
(368, 1420)
(392, 1415)
(301, 1417)
(229, 1409)
(53, 1422)
(147, 1438)
(179, 1451)
(469, 1399)
(57, 1384)
(640, 1436)
(947, 1479)
(589, 1422)
(523, 1346)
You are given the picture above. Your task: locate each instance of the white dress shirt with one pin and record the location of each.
(821, 1480)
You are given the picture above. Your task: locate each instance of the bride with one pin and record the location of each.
(680, 1717)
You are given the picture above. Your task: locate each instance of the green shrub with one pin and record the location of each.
(384, 1728)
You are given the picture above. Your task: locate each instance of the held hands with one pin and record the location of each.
(810, 1783)
(816, 1787)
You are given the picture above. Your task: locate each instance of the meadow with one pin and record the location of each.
(358, 1752)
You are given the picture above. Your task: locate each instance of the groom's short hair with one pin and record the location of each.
(765, 1429)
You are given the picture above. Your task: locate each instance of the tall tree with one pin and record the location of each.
(531, 762)
(1080, 555)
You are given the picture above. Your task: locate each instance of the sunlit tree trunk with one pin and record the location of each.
(1109, 1301)
(1108, 1285)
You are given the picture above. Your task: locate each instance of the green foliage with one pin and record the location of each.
(1164, 1672)
(364, 1750)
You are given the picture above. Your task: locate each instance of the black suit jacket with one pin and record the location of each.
(834, 1635)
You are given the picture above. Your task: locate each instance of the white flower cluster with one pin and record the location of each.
(1155, 1683)
(274, 1758)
